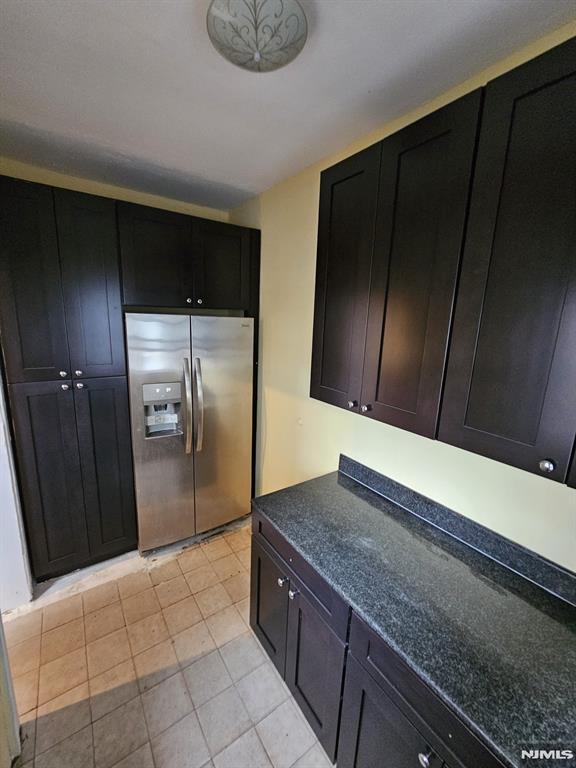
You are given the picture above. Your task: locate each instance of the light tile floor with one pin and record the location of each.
(156, 669)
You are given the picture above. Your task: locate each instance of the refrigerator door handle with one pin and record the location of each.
(200, 396)
(188, 390)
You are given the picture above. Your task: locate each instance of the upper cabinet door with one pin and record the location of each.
(511, 383)
(31, 304)
(348, 193)
(157, 256)
(91, 282)
(425, 175)
(222, 269)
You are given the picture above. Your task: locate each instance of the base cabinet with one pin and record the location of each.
(367, 706)
(374, 731)
(75, 465)
(51, 479)
(289, 622)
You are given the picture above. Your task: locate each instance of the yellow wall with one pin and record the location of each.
(27, 172)
(301, 438)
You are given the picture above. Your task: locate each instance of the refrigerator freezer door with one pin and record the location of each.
(160, 407)
(222, 353)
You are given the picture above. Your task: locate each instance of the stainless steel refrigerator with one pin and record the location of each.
(191, 413)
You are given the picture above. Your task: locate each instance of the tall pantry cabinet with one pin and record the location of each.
(63, 344)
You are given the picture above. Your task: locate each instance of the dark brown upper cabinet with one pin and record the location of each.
(177, 261)
(348, 196)
(31, 301)
(425, 174)
(510, 390)
(91, 283)
(222, 268)
(156, 252)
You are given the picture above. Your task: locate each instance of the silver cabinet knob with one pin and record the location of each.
(188, 300)
(352, 403)
(547, 465)
(292, 593)
(199, 301)
(282, 580)
(424, 758)
(64, 386)
(79, 385)
(63, 374)
(366, 408)
(78, 373)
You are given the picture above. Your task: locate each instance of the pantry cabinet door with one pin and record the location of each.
(91, 280)
(425, 175)
(51, 480)
(103, 421)
(511, 383)
(33, 325)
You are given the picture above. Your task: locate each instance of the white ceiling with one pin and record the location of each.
(131, 91)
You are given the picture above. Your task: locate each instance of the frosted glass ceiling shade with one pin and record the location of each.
(258, 35)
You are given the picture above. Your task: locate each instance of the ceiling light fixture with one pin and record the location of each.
(257, 35)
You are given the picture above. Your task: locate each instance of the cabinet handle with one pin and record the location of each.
(188, 300)
(79, 385)
(352, 403)
(78, 373)
(64, 386)
(199, 301)
(292, 593)
(282, 580)
(547, 465)
(424, 758)
(366, 408)
(63, 374)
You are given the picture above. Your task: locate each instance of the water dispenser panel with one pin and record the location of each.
(162, 403)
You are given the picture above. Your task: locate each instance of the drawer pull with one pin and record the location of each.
(282, 580)
(292, 593)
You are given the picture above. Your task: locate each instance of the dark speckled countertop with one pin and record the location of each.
(499, 650)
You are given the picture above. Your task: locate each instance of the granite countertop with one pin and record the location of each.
(498, 649)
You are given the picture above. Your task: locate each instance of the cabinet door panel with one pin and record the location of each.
(374, 731)
(31, 304)
(511, 382)
(91, 280)
(425, 177)
(314, 668)
(157, 254)
(49, 468)
(348, 193)
(106, 460)
(269, 604)
(222, 273)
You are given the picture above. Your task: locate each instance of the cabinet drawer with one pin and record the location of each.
(444, 731)
(334, 610)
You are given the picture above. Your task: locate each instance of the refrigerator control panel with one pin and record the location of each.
(162, 403)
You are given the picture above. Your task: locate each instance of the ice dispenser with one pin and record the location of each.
(162, 403)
